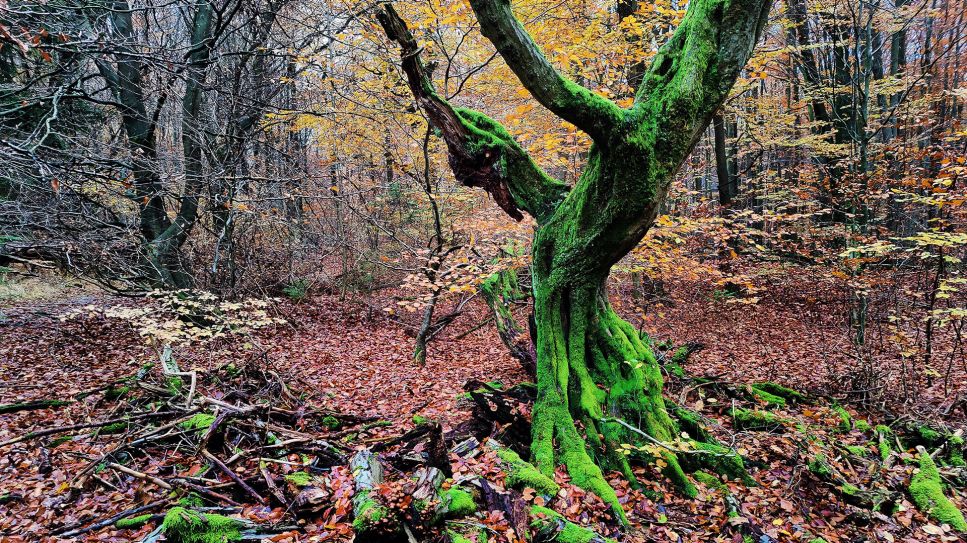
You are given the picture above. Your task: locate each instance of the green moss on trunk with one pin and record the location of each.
(593, 368)
(599, 386)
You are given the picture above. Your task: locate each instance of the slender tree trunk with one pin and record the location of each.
(166, 248)
(827, 117)
(435, 259)
(724, 162)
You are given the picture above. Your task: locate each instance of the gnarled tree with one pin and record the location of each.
(593, 370)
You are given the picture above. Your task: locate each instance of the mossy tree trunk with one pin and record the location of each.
(598, 381)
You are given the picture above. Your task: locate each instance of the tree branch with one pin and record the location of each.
(695, 70)
(481, 151)
(590, 112)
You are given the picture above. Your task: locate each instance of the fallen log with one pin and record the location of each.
(502, 414)
(510, 501)
(427, 507)
(434, 452)
(72, 531)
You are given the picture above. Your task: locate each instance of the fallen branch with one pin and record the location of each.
(74, 532)
(245, 486)
(139, 475)
(273, 488)
(31, 406)
(182, 482)
(71, 428)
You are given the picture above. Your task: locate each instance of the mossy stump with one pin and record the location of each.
(371, 518)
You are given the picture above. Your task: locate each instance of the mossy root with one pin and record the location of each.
(926, 489)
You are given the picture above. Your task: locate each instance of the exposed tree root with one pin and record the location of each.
(502, 291)
(549, 525)
(876, 499)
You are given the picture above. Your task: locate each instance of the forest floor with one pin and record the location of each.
(810, 458)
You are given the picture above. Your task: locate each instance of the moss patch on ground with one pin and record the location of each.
(133, 523)
(188, 526)
(820, 466)
(570, 533)
(771, 400)
(845, 419)
(299, 478)
(459, 502)
(783, 392)
(719, 459)
(956, 455)
(747, 419)
(115, 428)
(711, 481)
(884, 438)
(690, 422)
(369, 516)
